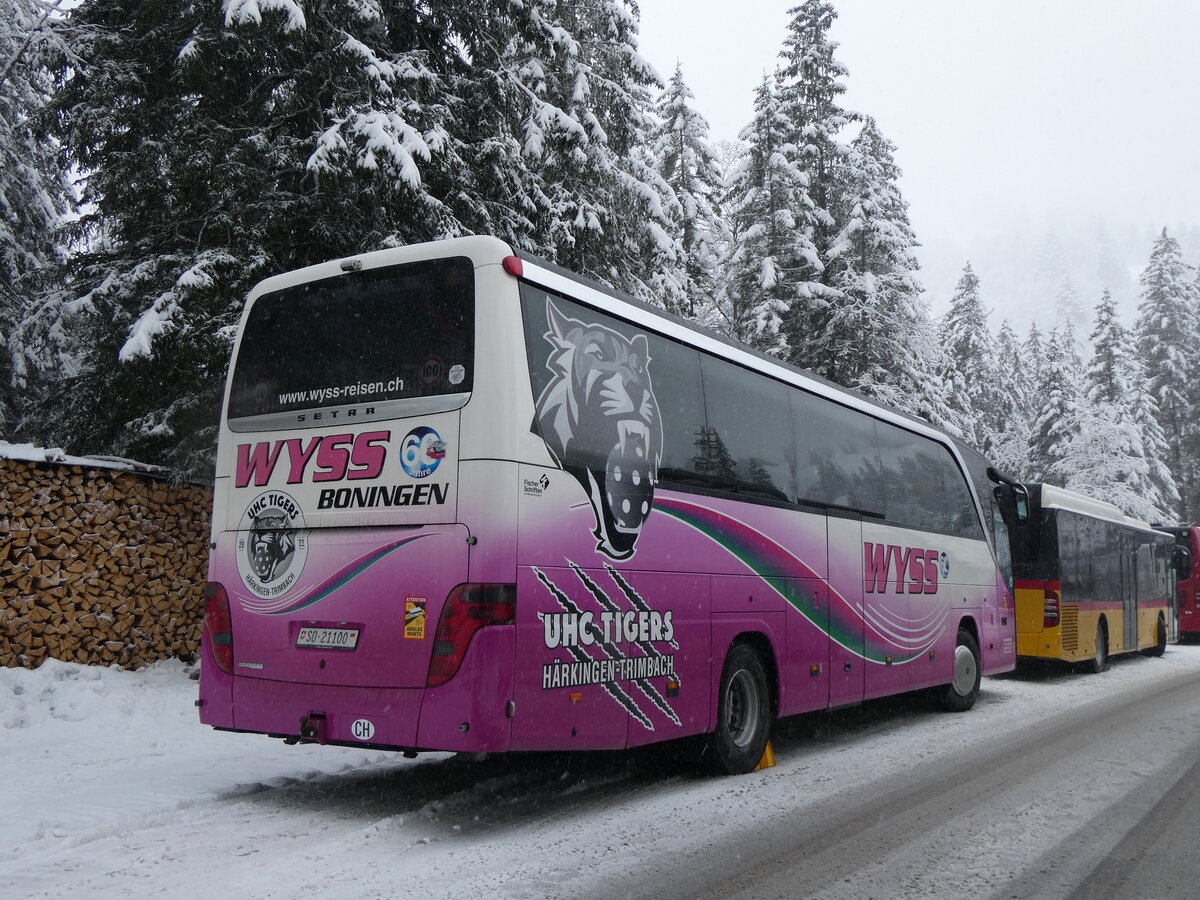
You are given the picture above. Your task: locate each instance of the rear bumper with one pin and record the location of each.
(469, 713)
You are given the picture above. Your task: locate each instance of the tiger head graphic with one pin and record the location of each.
(270, 547)
(599, 418)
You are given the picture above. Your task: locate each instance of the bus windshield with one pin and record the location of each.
(381, 336)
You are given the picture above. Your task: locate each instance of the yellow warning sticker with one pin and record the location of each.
(414, 618)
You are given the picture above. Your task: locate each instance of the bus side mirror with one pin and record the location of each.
(1013, 501)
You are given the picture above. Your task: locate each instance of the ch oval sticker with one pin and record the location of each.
(363, 729)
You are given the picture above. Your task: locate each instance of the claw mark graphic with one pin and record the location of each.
(631, 595)
(610, 650)
(613, 690)
(646, 647)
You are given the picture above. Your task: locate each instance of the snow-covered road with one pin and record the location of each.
(113, 789)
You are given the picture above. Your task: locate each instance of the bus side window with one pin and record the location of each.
(749, 430)
(1101, 565)
(1084, 548)
(1108, 566)
(923, 485)
(837, 455)
(1093, 533)
(1145, 568)
(914, 489)
(1068, 556)
(964, 520)
(675, 375)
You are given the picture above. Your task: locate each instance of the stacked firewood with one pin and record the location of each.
(99, 566)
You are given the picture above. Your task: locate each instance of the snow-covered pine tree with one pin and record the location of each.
(1102, 460)
(1168, 335)
(810, 92)
(1069, 345)
(35, 192)
(879, 337)
(227, 141)
(1112, 452)
(725, 237)
(970, 366)
(1033, 353)
(1049, 271)
(770, 213)
(1014, 410)
(610, 208)
(1108, 373)
(687, 162)
(1067, 304)
(1164, 493)
(1058, 393)
(1111, 274)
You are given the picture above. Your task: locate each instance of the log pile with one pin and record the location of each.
(99, 566)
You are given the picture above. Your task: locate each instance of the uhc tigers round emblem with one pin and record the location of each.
(272, 544)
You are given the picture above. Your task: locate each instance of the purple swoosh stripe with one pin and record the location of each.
(340, 578)
(769, 560)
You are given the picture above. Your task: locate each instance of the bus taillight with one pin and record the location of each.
(218, 625)
(468, 608)
(1050, 609)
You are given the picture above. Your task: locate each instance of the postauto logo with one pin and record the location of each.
(422, 451)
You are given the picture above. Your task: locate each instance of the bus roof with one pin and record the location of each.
(1071, 501)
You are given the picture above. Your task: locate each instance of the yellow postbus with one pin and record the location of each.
(1090, 582)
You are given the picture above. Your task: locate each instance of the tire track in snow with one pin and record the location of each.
(946, 829)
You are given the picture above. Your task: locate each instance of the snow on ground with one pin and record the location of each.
(87, 748)
(113, 787)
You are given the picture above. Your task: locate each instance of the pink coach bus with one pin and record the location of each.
(467, 501)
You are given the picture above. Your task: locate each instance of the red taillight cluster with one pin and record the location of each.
(468, 608)
(218, 626)
(1050, 609)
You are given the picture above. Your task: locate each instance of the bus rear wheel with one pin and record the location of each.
(743, 715)
(1160, 644)
(961, 693)
(1099, 660)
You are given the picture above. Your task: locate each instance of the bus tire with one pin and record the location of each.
(738, 742)
(962, 692)
(1099, 661)
(1160, 645)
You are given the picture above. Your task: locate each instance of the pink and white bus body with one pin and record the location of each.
(466, 501)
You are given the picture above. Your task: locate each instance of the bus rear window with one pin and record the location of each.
(379, 337)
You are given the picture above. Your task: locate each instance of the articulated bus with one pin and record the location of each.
(1090, 581)
(467, 501)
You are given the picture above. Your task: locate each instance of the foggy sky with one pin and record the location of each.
(1001, 111)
